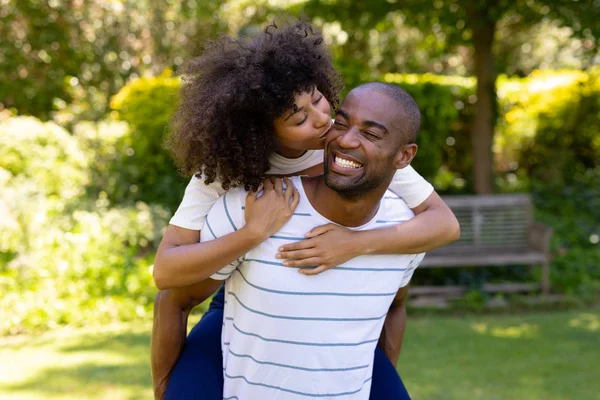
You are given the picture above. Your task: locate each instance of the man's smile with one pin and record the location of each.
(343, 163)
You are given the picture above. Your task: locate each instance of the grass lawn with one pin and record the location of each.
(551, 356)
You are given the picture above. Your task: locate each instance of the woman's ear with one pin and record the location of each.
(405, 155)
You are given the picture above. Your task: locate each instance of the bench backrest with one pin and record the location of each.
(490, 223)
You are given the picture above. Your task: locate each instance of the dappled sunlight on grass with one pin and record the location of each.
(110, 362)
(586, 321)
(523, 330)
(525, 357)
(547, 356)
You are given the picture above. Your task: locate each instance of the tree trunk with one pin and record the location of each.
(482, 133)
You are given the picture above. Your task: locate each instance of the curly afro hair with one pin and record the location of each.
(223, 129)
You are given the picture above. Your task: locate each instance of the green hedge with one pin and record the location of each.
(66, 257)
(547, 135)
(86, 240)
(447, 105)
(143, 166)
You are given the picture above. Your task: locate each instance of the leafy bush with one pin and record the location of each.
(446, 105)
(143, 166)
(65, 258)
(573, 210)
(551, 126)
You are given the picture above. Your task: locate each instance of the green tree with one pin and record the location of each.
(57, 52)
(472, 24)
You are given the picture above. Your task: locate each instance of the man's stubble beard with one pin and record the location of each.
(353, 190)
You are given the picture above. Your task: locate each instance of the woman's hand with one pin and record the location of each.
(266, 214)
(327, 246)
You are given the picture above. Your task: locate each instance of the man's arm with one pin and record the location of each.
(171, 310)
(392, 333)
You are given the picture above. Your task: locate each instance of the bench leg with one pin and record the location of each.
(546, 278)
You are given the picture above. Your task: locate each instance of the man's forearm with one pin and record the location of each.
(392, 333)
(189, 264)
(171, 310)
(433, 226)
(168, 337)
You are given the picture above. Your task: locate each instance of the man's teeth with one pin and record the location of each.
(346, 163)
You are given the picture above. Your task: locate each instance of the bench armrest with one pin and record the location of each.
(539, 237)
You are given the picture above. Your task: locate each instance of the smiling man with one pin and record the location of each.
(291, 336)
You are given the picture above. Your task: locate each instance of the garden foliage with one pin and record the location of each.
(83, 210)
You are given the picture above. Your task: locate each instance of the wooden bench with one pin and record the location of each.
(495, 230)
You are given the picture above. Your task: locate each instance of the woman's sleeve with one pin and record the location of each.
(197, 201)
(411, 186)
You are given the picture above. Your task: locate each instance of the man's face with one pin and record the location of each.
(362, 148)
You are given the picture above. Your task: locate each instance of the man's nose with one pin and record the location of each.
(349, 139)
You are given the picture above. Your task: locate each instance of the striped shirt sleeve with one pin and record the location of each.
(225, 217)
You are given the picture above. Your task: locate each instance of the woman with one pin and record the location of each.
(251, 109)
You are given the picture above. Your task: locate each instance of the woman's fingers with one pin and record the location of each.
(268, 185)
(298, 258)
(278, 186)
(314, 271)
(295, 199)
(255, 193)
(309, 262)
(319, 230)
(289, 190)
(286, 249)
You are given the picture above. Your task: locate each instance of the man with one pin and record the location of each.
(287, 335)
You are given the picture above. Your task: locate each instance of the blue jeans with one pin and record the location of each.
(199, 371)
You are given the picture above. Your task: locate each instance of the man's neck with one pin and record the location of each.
(350, 211)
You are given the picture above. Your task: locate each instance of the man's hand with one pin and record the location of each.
(326, 247)
(266, 214)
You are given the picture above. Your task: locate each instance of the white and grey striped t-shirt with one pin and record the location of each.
(290, 336)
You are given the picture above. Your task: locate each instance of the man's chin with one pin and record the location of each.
(340, 185)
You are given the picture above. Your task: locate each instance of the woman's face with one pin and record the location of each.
(305, 127)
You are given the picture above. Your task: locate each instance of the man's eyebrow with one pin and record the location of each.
(367, 123)
(376, 125)
(342, 113)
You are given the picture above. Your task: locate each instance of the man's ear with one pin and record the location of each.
(405, 155)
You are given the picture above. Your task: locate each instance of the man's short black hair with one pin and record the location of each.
(410, 120)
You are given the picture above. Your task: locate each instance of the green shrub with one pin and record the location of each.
(446, 105)
(550, 127)
(573, 210)
(65, 258)
(144, 167)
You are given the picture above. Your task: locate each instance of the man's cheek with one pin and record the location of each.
(332, 135)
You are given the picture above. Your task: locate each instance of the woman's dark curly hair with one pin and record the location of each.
(234, 91)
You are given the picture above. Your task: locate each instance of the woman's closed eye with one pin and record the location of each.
(303, 120)
(318, 100)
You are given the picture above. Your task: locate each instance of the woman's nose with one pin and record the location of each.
(322, 119)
